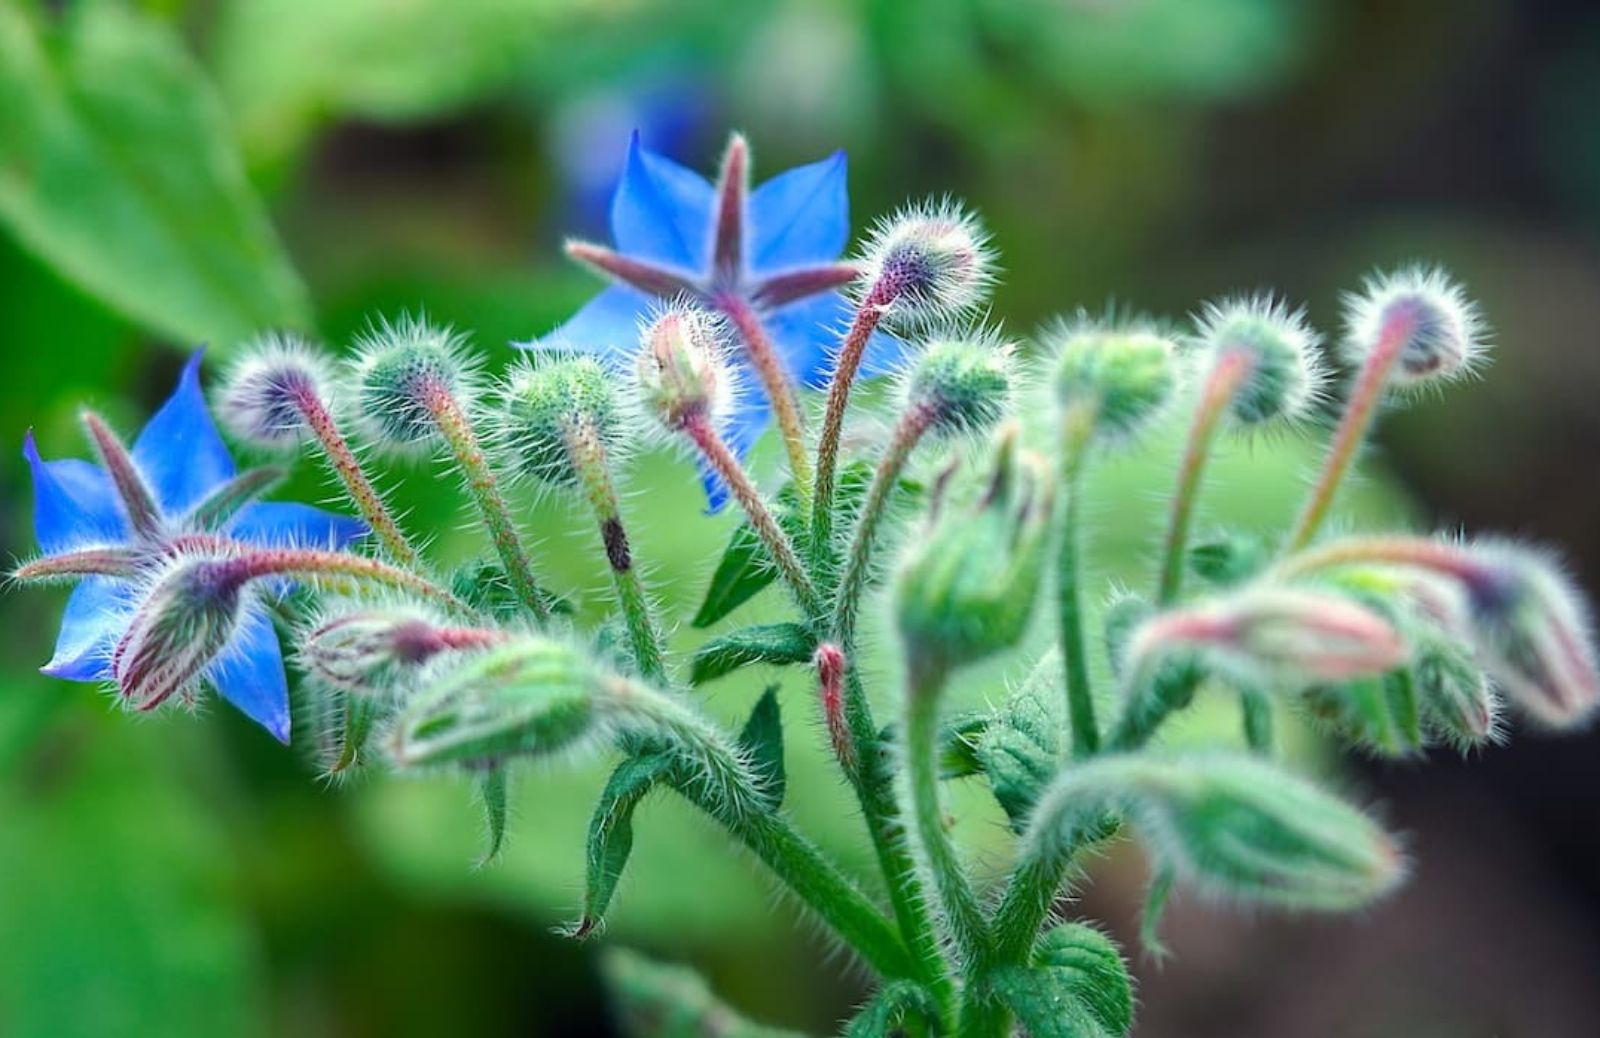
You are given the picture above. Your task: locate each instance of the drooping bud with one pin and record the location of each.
(1267, 636)
(530, 698)
(682, 369)
(1378, 713)
(1458, 701)
(1422, 314)
(376, 651)
(926, 264)
(1284, 376)
(402, 371)
(181, 623)
(961, 385)
(1123, 375)
(546, 402)
(967, 588)
(1533, 633)
(266, 393)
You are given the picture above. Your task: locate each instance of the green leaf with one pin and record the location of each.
(762, 738)
(1230, 559)
(492, 791)
(482, 584)
(660, 1001)
(1045, 1004)
(1379, 714)
(1091, 967)
(117, 167)
(1156, 897)
(1021, 748)
(611, 834)
(777, 644)
(894, 1004)
(959, 740)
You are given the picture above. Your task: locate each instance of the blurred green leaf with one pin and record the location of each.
(118, 168)
(659, 1001)
(775, 644)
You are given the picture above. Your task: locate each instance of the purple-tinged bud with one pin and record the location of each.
(1285, 375)
(1421, 314)
(1533, 633)
(831, 665)
(182, 622)
(266, 394)
(926, 264)
(682, 370)
(376, 651)
(1267, 636)
(402, 373)
(961, 386)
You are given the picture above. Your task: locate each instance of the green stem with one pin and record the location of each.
(1076, 433)
(780, 390)
(1382, 549)
(589, 460)
(705, 437)
(347, 468)
(1229, 372)
(456, 429)
(1353, 426)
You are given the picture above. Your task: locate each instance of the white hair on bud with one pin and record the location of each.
(1289, 379)
(1447, 337)
(931, 261)
(721, 384)
(394, 363)
(260, 400)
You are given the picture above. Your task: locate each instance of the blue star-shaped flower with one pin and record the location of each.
(182, 461)
(772, 253)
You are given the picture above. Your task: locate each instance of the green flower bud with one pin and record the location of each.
(1380, 713)
(402, 371)
(1442, 331)
(927, 263)
(1458, 701)
(967, 588)
(1285, 376)
(530, 698)
(961, 386)
(264, 397)
(546, 402)
(682, 371)
(1124, 376)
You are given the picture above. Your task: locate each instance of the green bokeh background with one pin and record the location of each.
(180, 172)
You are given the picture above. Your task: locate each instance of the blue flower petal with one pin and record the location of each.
(94, 619)
(607, 326)
(740, 432)
(250, 676)
(179, 450)
(661, 211)
(73, 502)
(281, 523)
(801, 216)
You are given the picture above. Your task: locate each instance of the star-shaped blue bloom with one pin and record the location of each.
(773, 251)
(182, 461)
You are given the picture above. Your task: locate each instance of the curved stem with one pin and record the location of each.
(1395, 550)
(1077, 430)
(780, 390)
(1228, 373)
(347, 468)
(699, 429)
(1353, 426)
(456, 430)
(312, 564)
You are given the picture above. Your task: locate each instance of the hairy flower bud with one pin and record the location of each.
(1124, 376)
(183, 621)
(962, 386)
(682, 369)
(263, 400)
(1273, 636)
(1533, 632)
(374, 651)
(1285, 375)
(546, 402)
(968, 586)
(529, 698)
(927, 263)
(1440, 331)
(401, 371)
(1458, 701)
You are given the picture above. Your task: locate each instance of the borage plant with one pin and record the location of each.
(725, 303)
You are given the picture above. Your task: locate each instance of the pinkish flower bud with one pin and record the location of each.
(1436, 330)
(373, 651)
(182, 623)
(682, 369)
(927, 264)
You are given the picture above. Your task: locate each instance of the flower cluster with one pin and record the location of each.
(729, 307)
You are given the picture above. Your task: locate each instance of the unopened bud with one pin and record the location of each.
(1425, 316)
(682, 367)
(373, 651)
(1274, 636)
(266, 393)
(968, 586)
(530, 698)
(1379, 713)
(962, 386)
(183, 621)
(1458, 701)
(402, 372)
(1123, 376)
(547, 402)
(1285, 375)
(927, 263)
(1533, 633)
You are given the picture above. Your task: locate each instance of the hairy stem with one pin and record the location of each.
(312, 564)
(1076, 431)
(347, 468)
(780, 390)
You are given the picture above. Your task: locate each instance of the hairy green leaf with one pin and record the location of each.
(890, 1008)
(654, 1000)
(762, 739)
(611, 833)
(777, 644)
(1021, 748)
(492, 792)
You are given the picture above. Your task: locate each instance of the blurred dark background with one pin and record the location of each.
(188, 877)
